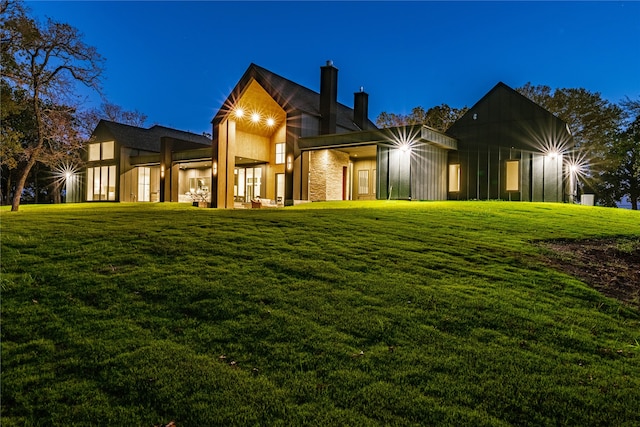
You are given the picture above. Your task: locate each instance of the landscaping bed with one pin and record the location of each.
(612, 266)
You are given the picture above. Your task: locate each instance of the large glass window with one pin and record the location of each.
(94, 152)
(363, 182)
(280, 152)
(454, 178)
(101, 183)
(247, 184)
(107, 150)
(144, 184)
(513, 175)
(101, 151)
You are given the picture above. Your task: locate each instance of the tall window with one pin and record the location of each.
(144, 184)
(512, 175)
(101, 183)
(101, 151)
(279, 187)
(363, 182)
(280, 152)
(374, 182)
(454, 178)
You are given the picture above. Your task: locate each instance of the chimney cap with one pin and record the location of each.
(329, 63)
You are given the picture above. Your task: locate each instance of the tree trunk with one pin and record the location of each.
(22, 178)
(5, 196)
(56, 187)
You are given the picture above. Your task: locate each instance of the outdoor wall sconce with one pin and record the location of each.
(161, 171)
(215, 168)
(289, 162)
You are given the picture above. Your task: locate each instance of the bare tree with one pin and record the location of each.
(45, 60)
(89, 119)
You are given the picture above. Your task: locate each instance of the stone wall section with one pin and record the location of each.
(325, 174)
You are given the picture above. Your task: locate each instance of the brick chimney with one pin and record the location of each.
(361, 109)
(328, 98)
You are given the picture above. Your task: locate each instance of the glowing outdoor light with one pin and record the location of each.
(64, 172)
(289, 162)
(577, 165)
(215, 168)
(552, 154)
(255, 117)
(404, 137)
(239, 112)
(270, 121)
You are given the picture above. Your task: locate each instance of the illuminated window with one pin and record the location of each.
(101, 151)
(107, 150)
(513, 175)
(279, 187)
(101, 183)
(454, 178)
(374, 182)
(94, 152)
(280, 151)
(363, 182)
(144, 184)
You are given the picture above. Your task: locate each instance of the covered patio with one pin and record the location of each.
(405, 162)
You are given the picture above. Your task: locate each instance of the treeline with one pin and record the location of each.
(43, 122)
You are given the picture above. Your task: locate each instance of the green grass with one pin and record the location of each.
(378, 313)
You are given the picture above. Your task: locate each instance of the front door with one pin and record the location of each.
(248, 184)
(279, 188)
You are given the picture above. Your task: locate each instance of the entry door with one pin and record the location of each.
(344, 182)
(249, 184)
(144, 186)
(279, 187)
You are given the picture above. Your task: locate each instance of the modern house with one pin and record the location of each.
(283, 143)
(127, 164)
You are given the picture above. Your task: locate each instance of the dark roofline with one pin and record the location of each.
(286, 100)
(509, 89)
(147, 139)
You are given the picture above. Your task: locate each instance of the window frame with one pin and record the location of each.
(454, 177)
(97, 151)
(363, 186)
(281, 151)
(509, 175)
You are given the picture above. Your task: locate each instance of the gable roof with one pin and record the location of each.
(509, 112)
(289, 95)
(505, 117)
(145, 139)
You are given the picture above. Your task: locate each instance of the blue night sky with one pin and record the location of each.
(178, 61)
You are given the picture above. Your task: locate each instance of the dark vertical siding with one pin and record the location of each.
(505, 125)
(428, 173)
(536, 177)
(400, 174)
(383, 173)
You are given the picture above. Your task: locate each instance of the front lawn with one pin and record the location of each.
(376, 313)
